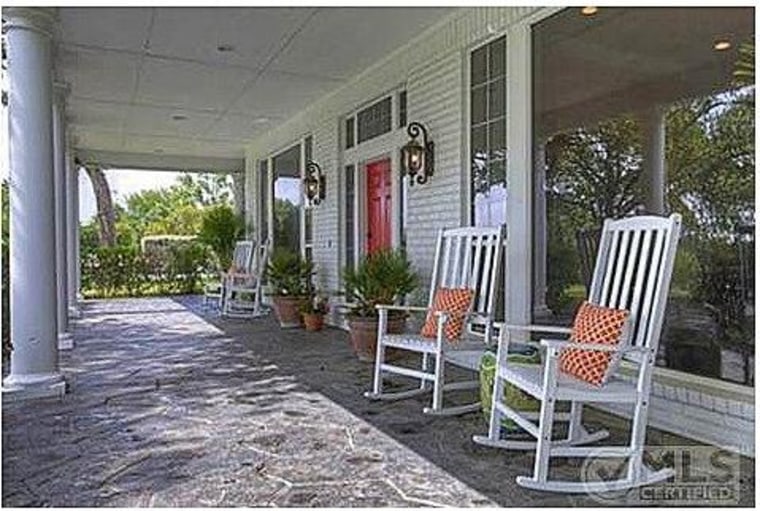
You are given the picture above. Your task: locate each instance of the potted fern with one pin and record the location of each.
(313, 312)
(289, 277)
(383, 277)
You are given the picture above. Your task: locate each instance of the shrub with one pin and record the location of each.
(187, 265)
(127, 271)
(289, 274)
(380, 278)
(220, 229)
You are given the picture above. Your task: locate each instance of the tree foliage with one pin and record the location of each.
(595, 173)
(220, 229)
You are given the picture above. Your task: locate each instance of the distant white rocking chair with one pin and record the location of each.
(243, 291)
(467, 257)
(632, 272)
(242, 259)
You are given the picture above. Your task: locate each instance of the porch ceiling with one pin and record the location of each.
(132, 71)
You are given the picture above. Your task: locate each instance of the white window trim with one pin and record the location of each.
(385, 146)
(301, 143)
(466, 135)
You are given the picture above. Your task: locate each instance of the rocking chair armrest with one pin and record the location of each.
(410, 308)
(555, 344)
(549, 329)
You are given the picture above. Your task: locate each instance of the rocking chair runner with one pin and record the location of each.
(243, 291)
(242, 258)
(632, 272)
(466, 258)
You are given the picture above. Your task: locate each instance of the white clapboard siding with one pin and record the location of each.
(434, 96)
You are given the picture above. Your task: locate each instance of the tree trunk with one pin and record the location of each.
(106, 216)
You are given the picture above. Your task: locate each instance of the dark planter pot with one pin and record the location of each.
(313, 322)
(287, 310)
(363, 333)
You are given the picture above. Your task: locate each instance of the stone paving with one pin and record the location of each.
(171, 406)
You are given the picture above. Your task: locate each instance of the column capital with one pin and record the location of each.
(37, 19)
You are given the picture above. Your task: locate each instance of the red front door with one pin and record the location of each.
(378, 206)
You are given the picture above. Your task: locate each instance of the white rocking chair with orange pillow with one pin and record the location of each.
(621, 320)
(463, 288)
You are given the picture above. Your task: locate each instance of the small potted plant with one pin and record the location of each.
(289, 277)
(383, 277)
(313, 312)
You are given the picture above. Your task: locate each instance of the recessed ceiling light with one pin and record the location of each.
(179, 117)
(721, 45)
(589, 11)
(225, 48)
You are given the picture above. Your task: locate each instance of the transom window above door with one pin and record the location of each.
(375, 120)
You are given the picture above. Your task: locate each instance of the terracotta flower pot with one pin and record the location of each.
(287, 310)
(363, 333)
(313, 321)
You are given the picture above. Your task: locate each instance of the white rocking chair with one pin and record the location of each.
(242, 257)
(243, 291)
(467, 257)
(632, 272)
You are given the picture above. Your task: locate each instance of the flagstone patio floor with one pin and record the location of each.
(169, 405)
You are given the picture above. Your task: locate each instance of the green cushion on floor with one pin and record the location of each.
(516, 398)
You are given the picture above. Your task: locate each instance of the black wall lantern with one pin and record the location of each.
(416, 157)
(314, 183)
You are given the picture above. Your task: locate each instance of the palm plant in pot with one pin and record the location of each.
(313, 312)
(383, 277)
(289, 279)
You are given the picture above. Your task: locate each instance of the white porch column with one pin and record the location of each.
(72, 236)
(653, 128)
(34, 360)
(519, 251)
(539, 228)
(238, 192)
(60, 180)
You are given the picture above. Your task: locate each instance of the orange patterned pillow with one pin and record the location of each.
(454, 301)
(596, 325)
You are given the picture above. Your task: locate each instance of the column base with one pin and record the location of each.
(34, 386)
(65, 341)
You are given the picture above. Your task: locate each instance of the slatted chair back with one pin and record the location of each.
(260, 258)
(469, 257)
(242, 257)
(633, 270)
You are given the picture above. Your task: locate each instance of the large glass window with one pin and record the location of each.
(288, 199)
(488, 133)
(651, 110)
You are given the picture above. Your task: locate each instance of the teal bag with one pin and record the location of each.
(516, 398)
